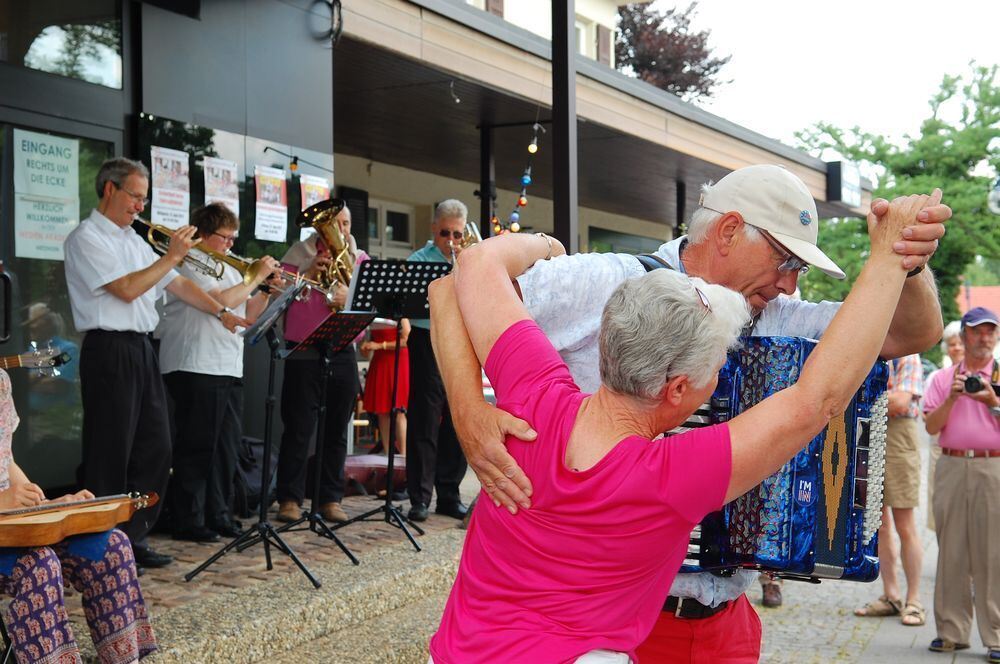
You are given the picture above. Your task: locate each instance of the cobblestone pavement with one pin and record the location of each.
(816, 622)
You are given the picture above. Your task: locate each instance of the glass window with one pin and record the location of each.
(604, 241)
(373, 223)
(80, 39)
(47, 442)
(397, 226)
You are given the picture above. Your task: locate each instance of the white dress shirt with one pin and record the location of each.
(566, 297)
(192, 340)
(98, 251)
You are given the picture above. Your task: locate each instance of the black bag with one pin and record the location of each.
(246, 484)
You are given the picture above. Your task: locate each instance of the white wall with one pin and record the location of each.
(422, 190)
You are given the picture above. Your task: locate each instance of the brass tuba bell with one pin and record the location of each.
(321, 217)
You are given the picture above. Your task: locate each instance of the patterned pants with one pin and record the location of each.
(112, 601)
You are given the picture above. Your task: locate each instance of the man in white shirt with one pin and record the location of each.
(114, 278)
(755, 232)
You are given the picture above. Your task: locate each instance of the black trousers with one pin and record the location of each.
(208, 416)
(434, 459)
(299, 414)
(126, 429)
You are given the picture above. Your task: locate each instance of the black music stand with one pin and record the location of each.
(394, 290)
(334, 334)
(263, 531)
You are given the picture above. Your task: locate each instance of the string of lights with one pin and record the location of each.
(513, 222)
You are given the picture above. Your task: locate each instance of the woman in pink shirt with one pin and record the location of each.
(582, 575)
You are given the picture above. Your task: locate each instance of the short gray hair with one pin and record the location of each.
(451, 209)
(656, 327)
(951, 330)
(116, 170)
(704, 219)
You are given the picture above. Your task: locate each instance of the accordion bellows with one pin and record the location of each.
(818, 516)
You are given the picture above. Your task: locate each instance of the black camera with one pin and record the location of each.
(974, 384)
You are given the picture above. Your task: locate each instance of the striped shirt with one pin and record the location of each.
(906, 374)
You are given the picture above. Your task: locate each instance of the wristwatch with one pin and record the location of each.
(995, 411)
(223, 310)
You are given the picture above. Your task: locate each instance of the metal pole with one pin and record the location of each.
(487, 180)
(564, 168)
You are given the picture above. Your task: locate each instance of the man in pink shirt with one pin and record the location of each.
(963, 405)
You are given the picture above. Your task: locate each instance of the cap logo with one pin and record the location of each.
(805, 217)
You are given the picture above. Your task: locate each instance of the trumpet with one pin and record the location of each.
(470, 236)
(159, 237)
(251, 268)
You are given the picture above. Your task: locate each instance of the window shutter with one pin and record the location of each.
(357, 203)
(495, 7)
(604, 45)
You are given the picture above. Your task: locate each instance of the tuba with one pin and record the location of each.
(321, 217)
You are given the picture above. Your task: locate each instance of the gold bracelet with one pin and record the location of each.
(548, 241)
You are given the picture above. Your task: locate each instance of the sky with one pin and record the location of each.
(873, 63)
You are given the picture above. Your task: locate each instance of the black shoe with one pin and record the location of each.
(454, 510)
(398, 496)
(418, 512)
(146, 557)
(229, 529)
(197, 534)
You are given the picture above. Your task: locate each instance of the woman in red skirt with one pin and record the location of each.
(378, 384)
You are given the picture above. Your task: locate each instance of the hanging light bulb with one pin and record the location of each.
(294, 166)
(522, 201)
(515, 227)
(526, 179)
(497, 228)
(533, 145)
(514, 216)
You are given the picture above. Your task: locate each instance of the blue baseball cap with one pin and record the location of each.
(978, 316)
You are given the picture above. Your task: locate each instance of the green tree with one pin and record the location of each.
(943, 154)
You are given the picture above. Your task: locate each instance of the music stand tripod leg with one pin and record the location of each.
(313, 518)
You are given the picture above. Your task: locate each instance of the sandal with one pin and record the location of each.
(944, 645)
(913, 614)
(880, 608)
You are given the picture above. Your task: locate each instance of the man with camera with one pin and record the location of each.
(963, 404)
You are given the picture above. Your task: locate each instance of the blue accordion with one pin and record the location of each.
(817, 517)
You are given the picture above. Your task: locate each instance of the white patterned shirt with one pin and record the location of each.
(566, 297)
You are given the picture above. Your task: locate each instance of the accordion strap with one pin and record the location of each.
(653, 262)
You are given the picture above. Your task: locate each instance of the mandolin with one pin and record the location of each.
(51, 523)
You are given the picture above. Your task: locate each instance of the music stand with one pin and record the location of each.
(394, 290)
(263, 531)
(332, 335)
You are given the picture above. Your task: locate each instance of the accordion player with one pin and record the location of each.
(818, 516)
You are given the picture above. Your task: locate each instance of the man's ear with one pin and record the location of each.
(726, 232)
(675, 389)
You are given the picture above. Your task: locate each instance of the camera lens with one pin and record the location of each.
(973, 384)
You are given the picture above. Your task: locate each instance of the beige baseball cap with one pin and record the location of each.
(772, 198)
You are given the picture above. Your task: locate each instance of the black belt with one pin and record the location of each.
(691, 609)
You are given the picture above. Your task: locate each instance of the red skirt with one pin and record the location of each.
(378, 383)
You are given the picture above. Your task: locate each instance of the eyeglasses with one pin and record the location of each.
(789, 261)
(138, 198)
(456, 235)
(227, 238)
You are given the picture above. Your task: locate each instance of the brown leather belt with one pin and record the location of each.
(971, 454)
(691, 609)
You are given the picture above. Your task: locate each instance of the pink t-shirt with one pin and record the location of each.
(590, 564)
(970, 425)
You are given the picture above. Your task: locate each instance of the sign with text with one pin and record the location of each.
(46, 193)
(314, 190)
(272, 204)
(171, 187)
(46, 165)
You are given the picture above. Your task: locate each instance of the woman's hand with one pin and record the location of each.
(27, 494)
(887, 232)
(73, 497)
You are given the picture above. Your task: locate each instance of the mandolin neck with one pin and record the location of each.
(37, 509)
(10, 362)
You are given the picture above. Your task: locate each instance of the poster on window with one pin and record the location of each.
(221, 185)
(314, 190)
(41, 225)
(272, 204)
(46, 193)
(171, 187)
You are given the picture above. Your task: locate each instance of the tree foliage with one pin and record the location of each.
(661, 49)
(943, 154)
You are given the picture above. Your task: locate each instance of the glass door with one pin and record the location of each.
(46, 187)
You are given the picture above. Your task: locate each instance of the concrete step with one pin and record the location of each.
(271, 618)
(397, 637)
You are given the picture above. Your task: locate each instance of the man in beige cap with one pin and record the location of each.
(755, 232)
